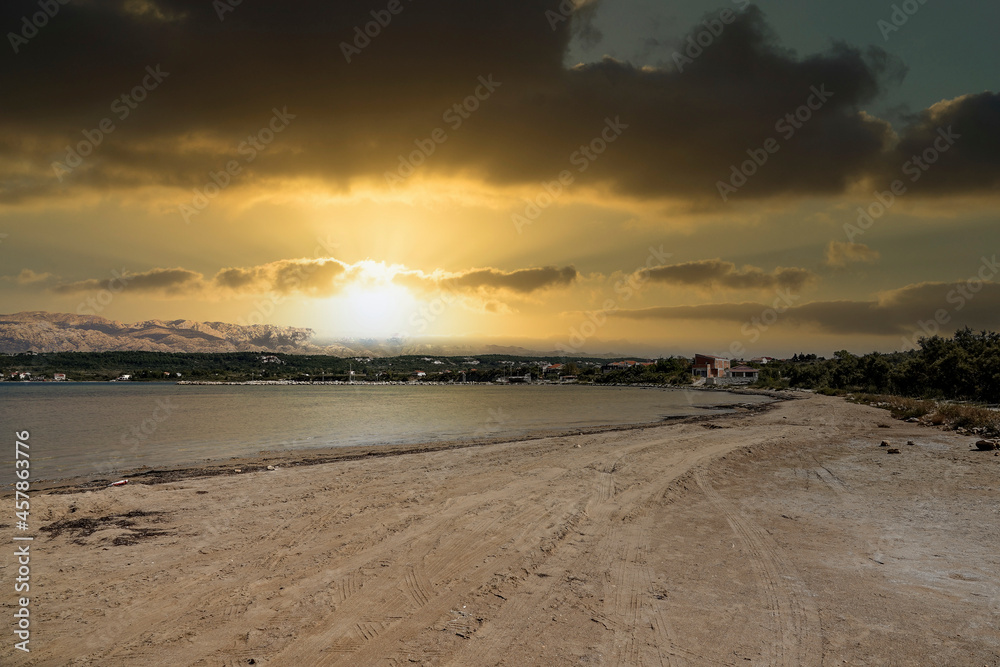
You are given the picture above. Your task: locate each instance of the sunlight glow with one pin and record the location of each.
(372, 310)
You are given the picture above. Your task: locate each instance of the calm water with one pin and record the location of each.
(90, 428)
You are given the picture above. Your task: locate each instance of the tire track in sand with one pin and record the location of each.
(643, 634)
(441, 567)
(641, 631)
(411, 593)
(516, 615)
(794, 619)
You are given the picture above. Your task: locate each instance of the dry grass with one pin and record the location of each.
(953, 415)
(969, 416)
(900, 406)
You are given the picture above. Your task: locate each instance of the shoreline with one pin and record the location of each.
(786, 536)
(387, 383)
(148, 476)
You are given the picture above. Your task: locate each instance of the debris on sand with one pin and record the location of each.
(82, 528)
(986, 445)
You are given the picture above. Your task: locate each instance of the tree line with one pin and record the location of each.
(963, 367)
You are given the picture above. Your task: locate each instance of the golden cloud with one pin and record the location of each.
(319, 278)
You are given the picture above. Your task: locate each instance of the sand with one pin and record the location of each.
(787, 537)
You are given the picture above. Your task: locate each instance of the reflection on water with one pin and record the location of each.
(85, 428)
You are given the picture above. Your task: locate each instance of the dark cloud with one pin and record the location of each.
(954, 146)
(685, 128)
(311, 277)
(714, 273)
(522, 281)
(169, 281)
(315, 277)
(946, 306)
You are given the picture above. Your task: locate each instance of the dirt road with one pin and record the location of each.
(783, 538)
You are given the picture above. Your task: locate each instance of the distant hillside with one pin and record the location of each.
(62, 332)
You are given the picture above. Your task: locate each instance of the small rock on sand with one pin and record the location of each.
(237, 470)
(270, 467)
(986, 445)
(892, 450)
(885, 443)
(910, 443)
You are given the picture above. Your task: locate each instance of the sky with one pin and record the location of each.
(639, 177)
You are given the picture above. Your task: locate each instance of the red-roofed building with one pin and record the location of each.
(709, 366)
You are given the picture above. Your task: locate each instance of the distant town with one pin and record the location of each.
(289, 368)
(964, 367)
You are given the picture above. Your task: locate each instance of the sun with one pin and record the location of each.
(379, 310)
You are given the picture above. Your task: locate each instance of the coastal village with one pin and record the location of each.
(703, 369)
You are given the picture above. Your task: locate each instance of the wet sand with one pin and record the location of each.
(783, 537)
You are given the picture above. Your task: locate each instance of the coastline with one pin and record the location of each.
(227, 466)
(787, 536)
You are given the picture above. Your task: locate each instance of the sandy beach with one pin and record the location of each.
(784, 537)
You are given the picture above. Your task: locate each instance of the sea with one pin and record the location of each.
(97, 429)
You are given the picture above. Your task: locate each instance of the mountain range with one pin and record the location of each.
(64, 332)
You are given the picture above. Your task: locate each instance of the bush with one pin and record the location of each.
(770, 383)
(968, 416)
(954, 415)
(900, 407)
